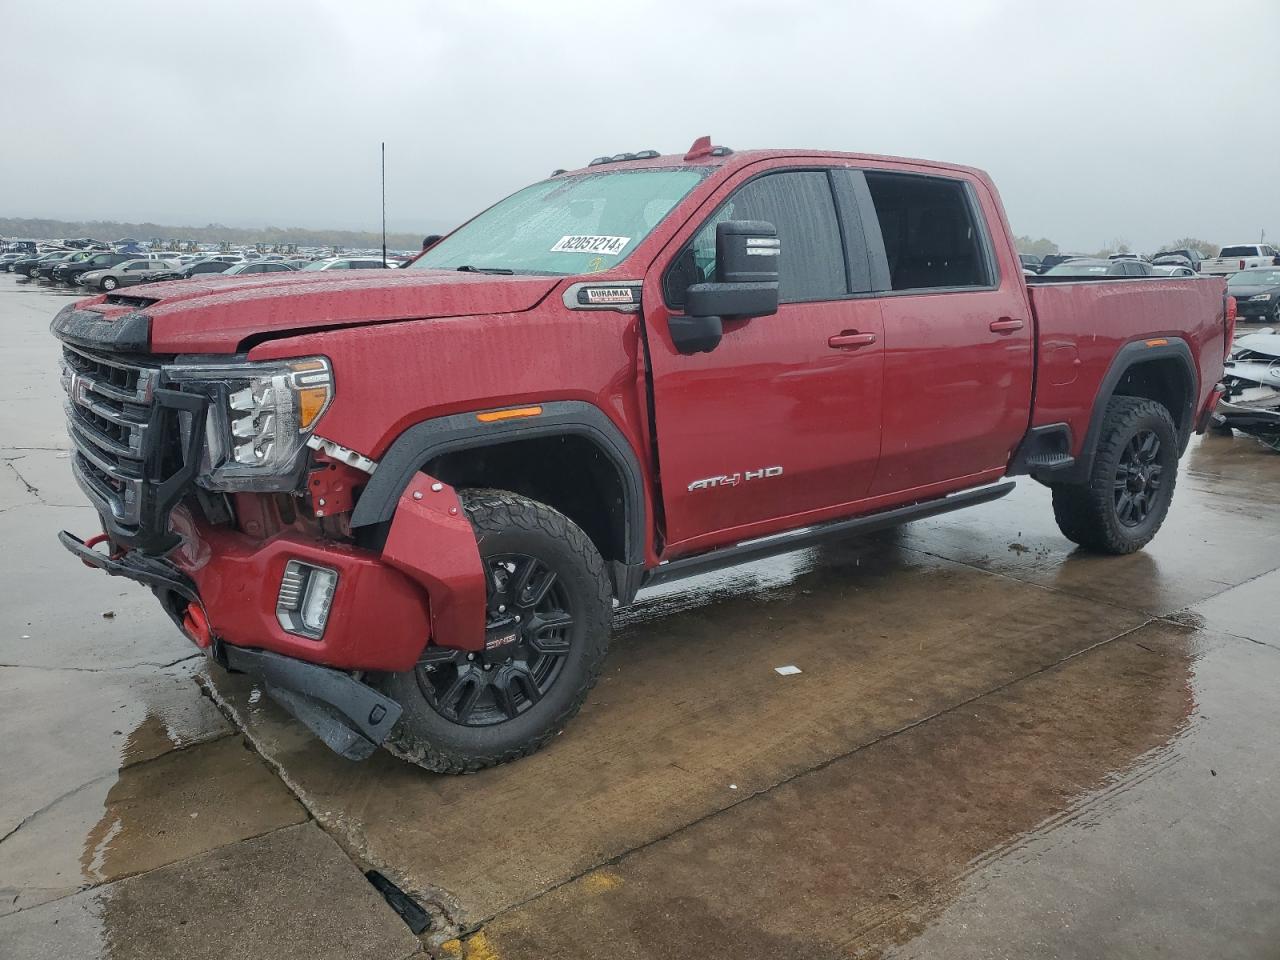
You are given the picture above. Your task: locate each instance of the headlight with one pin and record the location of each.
(1261, 296)
(260, 416)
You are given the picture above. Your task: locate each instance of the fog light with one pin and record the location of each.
(306, 594)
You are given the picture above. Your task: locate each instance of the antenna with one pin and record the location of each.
(384, 203)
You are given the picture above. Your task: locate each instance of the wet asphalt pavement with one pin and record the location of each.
(998, 746)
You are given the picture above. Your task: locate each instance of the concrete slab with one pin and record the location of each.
(690, 716)
(290, 895)
(1091, 810)
(1250, 610)
(149, 814)
(52, 614)
(120, 717)
(44, 476)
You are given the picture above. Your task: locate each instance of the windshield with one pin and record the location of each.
(1254, 278)
(1238, 252)
(571, 225)
(1077, 268)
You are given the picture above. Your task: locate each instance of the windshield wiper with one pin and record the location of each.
(467, 268)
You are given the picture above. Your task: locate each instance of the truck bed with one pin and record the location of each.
(1081, 326)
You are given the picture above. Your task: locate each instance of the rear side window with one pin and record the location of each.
(799, 204)
(931, 238)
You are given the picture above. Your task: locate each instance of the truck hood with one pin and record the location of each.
(216, 314)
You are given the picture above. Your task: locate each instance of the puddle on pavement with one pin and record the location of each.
(145, 772)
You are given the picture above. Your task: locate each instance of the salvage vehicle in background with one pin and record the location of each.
(194, 269)
(1242, 256)
(1171, 270)
(346, 263)
(408, 501)
(1257, 293)
(258, 266)
(1030, 262)
(27, 266)
(1093, 267)
(1191, 258)
(69, 271)
(1251, 383)
(127, 273)
(45, 268)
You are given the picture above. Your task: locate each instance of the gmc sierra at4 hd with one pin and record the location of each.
(407, 502)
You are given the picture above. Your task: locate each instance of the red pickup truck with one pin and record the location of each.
(408, 501)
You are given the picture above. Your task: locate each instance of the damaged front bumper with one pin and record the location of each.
(225, 590)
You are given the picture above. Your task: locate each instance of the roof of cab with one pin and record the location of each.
(705, 154)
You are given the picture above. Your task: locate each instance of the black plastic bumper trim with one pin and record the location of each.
(350, 717)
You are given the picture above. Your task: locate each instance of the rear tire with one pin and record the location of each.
(460, 717)
(1131, 485)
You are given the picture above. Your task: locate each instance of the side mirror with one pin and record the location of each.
(746, 285)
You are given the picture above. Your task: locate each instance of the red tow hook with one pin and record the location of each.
(196, 625)
(93, 542)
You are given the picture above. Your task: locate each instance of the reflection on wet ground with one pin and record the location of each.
(997, 745)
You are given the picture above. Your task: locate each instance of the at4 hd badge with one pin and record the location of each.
(733, 479)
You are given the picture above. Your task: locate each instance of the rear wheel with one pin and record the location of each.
(1131, 486)
(548, 614)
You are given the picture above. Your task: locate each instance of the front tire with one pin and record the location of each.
(1131, 486)
(548, 585)
(109, 283)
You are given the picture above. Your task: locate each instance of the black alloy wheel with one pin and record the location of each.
(1138, 474)
(529, 616)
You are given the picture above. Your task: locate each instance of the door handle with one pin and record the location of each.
(1005, 325)
(851, 338)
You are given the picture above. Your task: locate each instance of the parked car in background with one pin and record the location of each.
(1129, 256)
(193, 269)
(1242, 256)
(70, 270)
(7, 260)
(258, 266)
(1030, 262)
(1257, 293)
(44, 269)
(124, 274)
(1094, 267)
(1192, 257)
(346, 263)
(27, 266)
(1053, 259)
(1172, 270)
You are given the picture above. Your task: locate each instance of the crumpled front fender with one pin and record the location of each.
(432, 542)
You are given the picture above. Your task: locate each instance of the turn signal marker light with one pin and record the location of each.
(515, 413)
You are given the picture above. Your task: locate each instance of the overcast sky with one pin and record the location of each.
(1142, 121)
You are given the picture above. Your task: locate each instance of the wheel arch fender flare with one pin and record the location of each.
(428, 439)
(1127, 357)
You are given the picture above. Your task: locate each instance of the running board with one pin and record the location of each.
(763, 547)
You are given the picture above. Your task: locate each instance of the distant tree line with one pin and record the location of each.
(112, 230)
(1043, 247)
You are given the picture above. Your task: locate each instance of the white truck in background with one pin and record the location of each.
(1242, 256)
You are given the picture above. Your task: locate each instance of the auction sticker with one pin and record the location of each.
(587, 244)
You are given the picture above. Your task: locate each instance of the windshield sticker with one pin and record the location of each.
(611, 246)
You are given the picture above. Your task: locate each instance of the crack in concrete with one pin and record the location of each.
(177, 748)
(31, 488)
(132, 666)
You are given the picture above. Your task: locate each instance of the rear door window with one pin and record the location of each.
(932, 237)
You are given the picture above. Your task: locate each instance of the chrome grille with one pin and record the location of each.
(108, 411)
